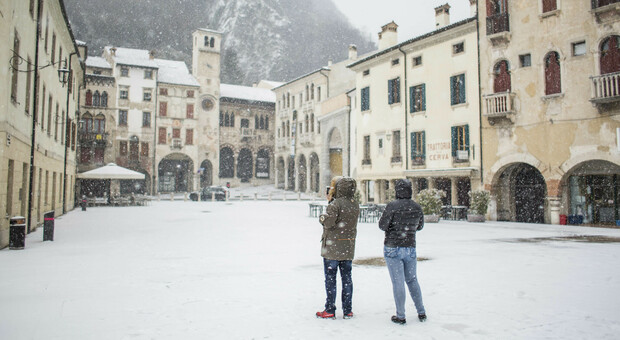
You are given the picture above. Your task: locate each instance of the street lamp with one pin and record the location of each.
(63, 73)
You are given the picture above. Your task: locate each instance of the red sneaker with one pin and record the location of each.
(325, 315)
(348, 316)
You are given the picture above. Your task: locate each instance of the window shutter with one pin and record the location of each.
(454, 141)
(467, 138)
(390, 97)
(423, 96)
(396, 93)
(452, 90)
(412, 99)
(414, 145)
(423, 144)
(461, 86)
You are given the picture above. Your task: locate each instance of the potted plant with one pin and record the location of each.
(479, 203)
(430, 201)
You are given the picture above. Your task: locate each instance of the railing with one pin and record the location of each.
(606, 88)
(498, 23)
(600, 3)
(499, 104)
(176, 143)
(98, 137)
(247, 132)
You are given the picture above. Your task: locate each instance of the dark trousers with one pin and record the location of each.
(331, 270)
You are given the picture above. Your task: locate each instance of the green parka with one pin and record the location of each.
(340, 223)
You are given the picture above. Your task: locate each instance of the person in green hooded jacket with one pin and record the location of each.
(338, 245)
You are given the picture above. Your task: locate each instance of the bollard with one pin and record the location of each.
(158, 197)
(185, 197)
(17, 232)
(212, 197)
(299, 196)
(256, 196)
(172, 196)
(270, 196)
(83, 203)
(284, 197)
(48, 226)
(241, 197)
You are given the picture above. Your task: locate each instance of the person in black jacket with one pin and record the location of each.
(400, 221)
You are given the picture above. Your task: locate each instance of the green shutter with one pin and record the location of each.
(423, 96)
(390, 98)
(413, 145)
(452, 90)
(462, 88)
(411, 99)
(454, 141)
(423, 144)
(467, 138)
(397, 91)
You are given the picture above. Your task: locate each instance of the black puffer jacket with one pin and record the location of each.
(402, 217)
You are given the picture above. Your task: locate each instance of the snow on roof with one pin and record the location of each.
(80, 43)
(269, 84)
(98, 62)
(209, 30)
(132, 57)
(174, 72)
(247, 93)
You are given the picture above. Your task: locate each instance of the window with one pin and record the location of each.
(366, 159)
(146, 119)
(460, 143)
(84, 155)
(99, 155)
(318, 93)
(525, 60)
(134, 149)
(124, 71)
(396, 147)
(148, 74)
(147, 95)
(458, 48)
(123, 147)
(99, 124)
(190, 111)
(380, 145)
(15, 65)
(176, 133)
(245, 123)
(87, 122)
(161, 138)
(501, 74)
(163, 91)
(417, 97)
(457, 89)
(579, 48)
(395, 62)
(365, 99)
(365, 73)
(144, 149)
(549, 5)
(104, 99)
(189, 137)
(190, 94)
(610, 55)
(123, 93)
(312, 91)
(122, 118)
(53, 55)
(497, 16)
(163, 109)
(417, 61)
(394, 91)
(418, 148)
(553, 80)
(96, 99)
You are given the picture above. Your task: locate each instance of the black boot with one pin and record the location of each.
(422, 317)
(396, 319)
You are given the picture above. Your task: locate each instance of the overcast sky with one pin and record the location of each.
(414, 17)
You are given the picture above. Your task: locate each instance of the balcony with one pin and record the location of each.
(606, 10)
(176, 144)
(499, 105)
(247, 132)
(498, 28)
(93, 137)
(605, 88)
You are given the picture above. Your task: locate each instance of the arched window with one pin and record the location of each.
(212, 44)
(312, 91)
(266, 123)
(256, 125)
(283, 129)
(104, 99)
(89, 98)
(87, 122)
(288, 128)
(221, 118)
(232, 119)
(312, 123)
(501, 81)
(610, 55)
(207, 41)
(307, 92)
(553, 80)
(307, 123)
(99, 124)
(288, 100)
(262, 122)
(96, 99)
(226, 119)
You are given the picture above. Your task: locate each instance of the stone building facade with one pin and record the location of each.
(550, 104)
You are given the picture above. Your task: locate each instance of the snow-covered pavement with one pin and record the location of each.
(252, 270)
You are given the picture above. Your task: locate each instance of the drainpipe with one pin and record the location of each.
(479, 96)
(34, 117)
(406, 114)
(155, 114)
(64, 172)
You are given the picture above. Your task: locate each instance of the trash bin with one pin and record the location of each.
(17, 232)
(83, 203)
(563, 219)
(48, 226)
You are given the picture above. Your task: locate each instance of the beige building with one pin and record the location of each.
(417, 112)
(247, 130)
(550, 126)
(38, 105)
(312, 132)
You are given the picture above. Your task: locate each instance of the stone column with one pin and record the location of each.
(276, 178)
(454, 199)
(431, 182)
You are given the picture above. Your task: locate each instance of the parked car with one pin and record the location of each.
(207, 192)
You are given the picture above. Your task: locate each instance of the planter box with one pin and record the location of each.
(431, 218)
(475, 218)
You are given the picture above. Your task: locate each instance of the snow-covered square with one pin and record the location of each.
(252, 270)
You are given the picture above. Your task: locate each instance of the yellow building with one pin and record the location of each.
(38, 104)
(550, 104)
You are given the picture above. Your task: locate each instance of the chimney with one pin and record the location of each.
(152, 54)
(329, 62)
(113, 51)
(473, 8)
(442, 16)
(352, 52)
(388, 35)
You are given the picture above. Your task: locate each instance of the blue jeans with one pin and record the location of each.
(401, 263)
(331, 270)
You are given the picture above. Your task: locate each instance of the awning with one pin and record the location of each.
(111, 171)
